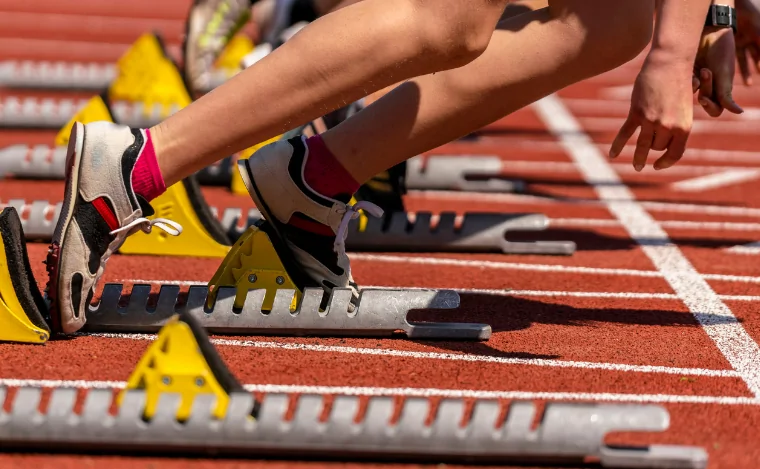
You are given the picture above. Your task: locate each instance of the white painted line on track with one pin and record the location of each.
(371, 391)
(716, 181)
(454, 357)
(720, 324)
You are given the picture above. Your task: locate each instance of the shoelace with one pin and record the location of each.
(352, 211)
(171, 227)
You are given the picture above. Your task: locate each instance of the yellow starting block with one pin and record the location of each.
(23, 311)
(229, 60)
(182, 360)
(146, 74)
(253, 264)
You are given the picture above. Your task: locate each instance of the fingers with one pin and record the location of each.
(706, 91)
(626, 132)
(643, 145)
(674, 152)
(662, 137)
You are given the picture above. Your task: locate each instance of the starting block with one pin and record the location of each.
(23, 311)
(255, 291)
(403, 231)
(182, 360)
(567, 433)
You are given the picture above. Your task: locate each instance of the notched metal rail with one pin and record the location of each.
(570, 433)
(478, 232)
(380, 312)
(92, 76)
(462, 173)
(33, 162)
(55, 113)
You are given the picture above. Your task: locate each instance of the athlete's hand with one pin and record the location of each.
(662, 106)
(714, 70)
(748, 37)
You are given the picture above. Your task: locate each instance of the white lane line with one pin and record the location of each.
(676, 224)
(501, 198)
(454, 357)
(720, 324)
(372, 391)
(716, 181)
(548, 167)
(492, 265)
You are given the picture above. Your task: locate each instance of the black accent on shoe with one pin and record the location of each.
(294, 169)
(317, 245)
(128, 161)
(95, 231)
(76, 293)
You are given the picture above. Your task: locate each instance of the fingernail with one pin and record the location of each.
(638, 167)
(703, 101)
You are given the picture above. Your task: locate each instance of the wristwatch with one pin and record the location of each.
(721, 16)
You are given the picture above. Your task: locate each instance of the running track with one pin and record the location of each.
(655, 306)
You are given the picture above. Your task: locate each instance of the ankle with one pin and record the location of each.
(147, 180)
(325, 174)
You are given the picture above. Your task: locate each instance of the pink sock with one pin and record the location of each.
(147, 180)
(325, 174)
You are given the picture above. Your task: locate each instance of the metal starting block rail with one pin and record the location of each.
(380, 312)
(470, 173)
(92, 76)
(56, 113)
(567, 433)
(478, 232)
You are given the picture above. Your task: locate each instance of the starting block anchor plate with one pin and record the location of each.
(568, 432)
(380, 312)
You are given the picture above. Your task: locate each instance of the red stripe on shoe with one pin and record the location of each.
(105, 211)
(312, 226)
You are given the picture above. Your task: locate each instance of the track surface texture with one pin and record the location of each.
(656, 305)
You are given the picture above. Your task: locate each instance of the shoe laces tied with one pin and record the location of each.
(352, 212)
(146, 225)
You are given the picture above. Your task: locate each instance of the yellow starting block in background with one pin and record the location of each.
(230, 58)
(22, 307)
(146, 74)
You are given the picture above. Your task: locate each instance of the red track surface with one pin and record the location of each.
(545, 340)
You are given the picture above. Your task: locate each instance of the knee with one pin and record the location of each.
(455, 31)
(615, 32)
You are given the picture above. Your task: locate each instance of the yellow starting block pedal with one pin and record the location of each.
(255, 263)
(232, 55)
(148, 75)
(23, 311)
(183, 361)
(202, 235)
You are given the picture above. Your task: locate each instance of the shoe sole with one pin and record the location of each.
(73, 162)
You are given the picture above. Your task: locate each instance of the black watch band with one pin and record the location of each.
(721, 16)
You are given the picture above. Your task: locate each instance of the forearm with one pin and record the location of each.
(678, 28)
